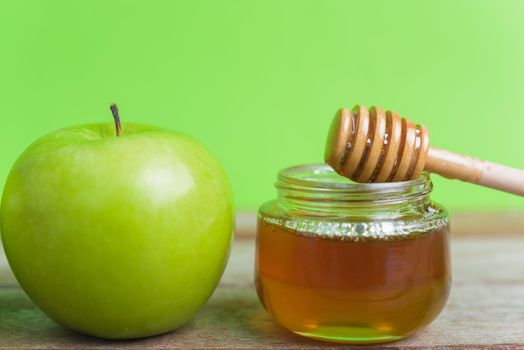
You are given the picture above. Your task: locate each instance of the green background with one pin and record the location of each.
(259, 81)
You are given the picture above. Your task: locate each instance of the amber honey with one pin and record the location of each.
(369, 290)
(347, 262)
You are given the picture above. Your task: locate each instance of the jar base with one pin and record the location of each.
(350, 335)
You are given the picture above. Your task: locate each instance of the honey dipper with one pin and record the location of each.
(370, 145)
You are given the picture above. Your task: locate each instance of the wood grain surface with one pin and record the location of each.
(485, 310)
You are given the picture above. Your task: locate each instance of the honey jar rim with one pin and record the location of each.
(322, 177)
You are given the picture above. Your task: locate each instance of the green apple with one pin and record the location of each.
(117, 236)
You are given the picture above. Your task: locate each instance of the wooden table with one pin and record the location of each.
(485, 310)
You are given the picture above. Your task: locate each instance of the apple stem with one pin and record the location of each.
(114, 110)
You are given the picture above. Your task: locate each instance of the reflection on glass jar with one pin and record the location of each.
(355, 263)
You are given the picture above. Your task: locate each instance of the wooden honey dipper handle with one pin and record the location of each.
(470, 169)
(370, 145)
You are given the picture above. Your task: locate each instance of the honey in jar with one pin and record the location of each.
(353, 263)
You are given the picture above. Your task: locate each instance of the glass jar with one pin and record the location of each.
(354, 263)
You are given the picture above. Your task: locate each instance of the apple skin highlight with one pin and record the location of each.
(117, 236)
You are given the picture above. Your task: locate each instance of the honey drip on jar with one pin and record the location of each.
(364, 291)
